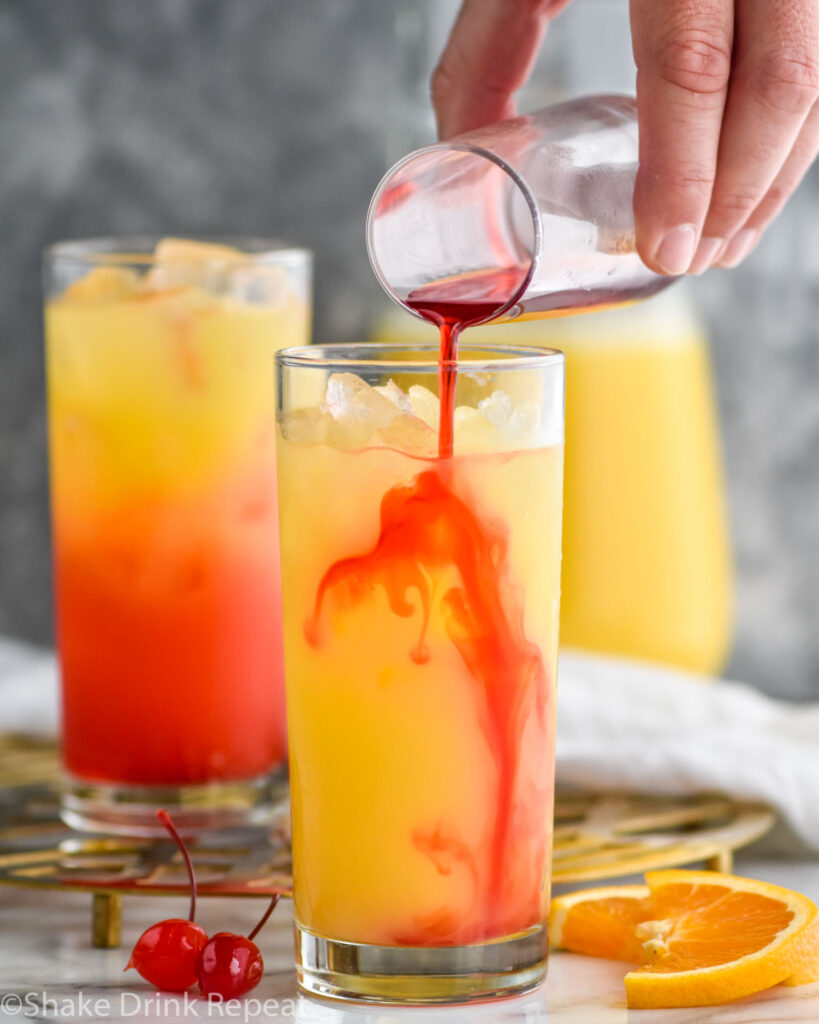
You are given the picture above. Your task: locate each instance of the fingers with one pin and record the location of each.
(487, 58)
(683, 56)
(728, 107)
(724, 139)
(774, 85)
(804, 152)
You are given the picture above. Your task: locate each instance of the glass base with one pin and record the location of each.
(420, 975)
(130, 810)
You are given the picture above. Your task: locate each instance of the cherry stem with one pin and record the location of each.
(165, 819)
(265, 916)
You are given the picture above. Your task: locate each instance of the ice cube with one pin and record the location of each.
(523, 422)
(341, 434)
(425, 405)
(104, 284)
(408, 434)
(261, 284)
(186, 250)
(306, 426)
(396, 396)
(497, 408)
(179, 262)
(359, 408)
(473, 431)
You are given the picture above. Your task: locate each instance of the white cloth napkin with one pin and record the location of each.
(28, 689)
(650, 729)
(621, 725)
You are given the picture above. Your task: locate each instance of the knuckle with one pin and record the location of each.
(695, 61)
(689, 183)
(686, 186)
(776, 197)
(441, 84)
(772, 202)
(787, 82)
(449, 82)
(736, 203)
(764, 213)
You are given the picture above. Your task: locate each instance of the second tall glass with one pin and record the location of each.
(162, 437)
(420, 624)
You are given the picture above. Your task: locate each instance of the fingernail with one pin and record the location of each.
(738, 248)
(706, 254)
(676, 250)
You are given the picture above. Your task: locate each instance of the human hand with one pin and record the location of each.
(727, 100)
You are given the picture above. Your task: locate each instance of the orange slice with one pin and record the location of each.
(601, 922)
(703, 937)
(807, 970)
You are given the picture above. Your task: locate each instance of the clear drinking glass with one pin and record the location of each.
(162, 443)
(525, 217)
(420, 600)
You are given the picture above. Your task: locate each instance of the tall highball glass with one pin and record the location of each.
(162, 441)
(420, 599)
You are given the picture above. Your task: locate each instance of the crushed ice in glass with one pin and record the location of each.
(356, 415)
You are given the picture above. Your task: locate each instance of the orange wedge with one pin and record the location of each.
(703, 937)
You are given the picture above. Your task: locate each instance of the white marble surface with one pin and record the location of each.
(49, 972)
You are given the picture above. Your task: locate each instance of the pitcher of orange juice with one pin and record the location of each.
(646, 552)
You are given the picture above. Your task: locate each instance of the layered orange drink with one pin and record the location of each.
(420, 618)
(162, 436)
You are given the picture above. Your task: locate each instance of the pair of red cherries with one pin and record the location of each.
(177, 953)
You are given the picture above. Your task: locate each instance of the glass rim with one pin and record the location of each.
(138, 250)
(458, 144)
(490, 358)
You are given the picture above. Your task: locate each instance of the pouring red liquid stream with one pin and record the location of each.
(453, 306)
(451, 318)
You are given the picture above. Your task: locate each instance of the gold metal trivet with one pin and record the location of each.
(610, 835)
(596, 837)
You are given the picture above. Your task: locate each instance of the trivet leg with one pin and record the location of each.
(106, 919)
(722, 861)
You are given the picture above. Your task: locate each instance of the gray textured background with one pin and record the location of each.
(277, 117)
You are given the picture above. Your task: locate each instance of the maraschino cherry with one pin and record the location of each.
(231, 965)
(166, 954)
(176, 953)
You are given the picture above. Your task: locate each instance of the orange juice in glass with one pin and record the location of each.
(162, 444)
(420, 599)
